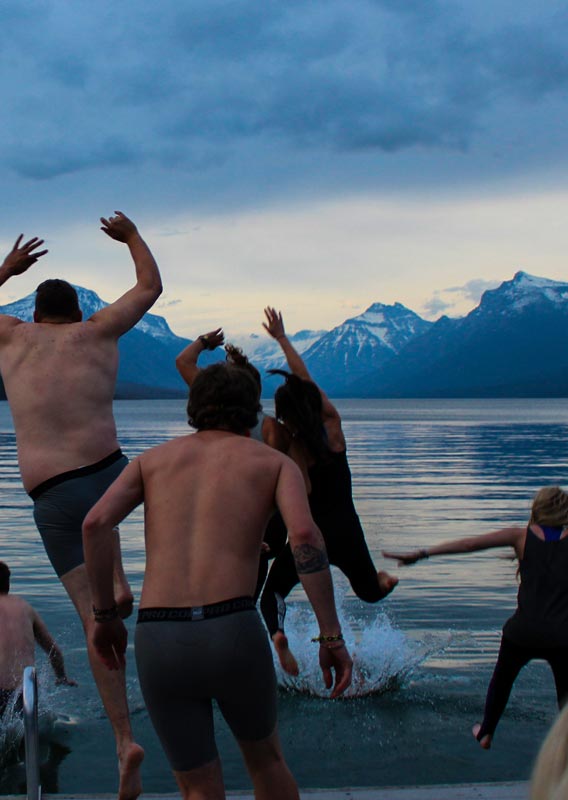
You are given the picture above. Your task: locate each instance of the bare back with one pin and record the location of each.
(17, 642)
(208, 498)
(60, 380)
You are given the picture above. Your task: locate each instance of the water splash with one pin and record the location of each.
(12, 721)
(384, 657)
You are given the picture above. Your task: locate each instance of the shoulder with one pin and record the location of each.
(275, 434)
(18, 606)
(9, 324)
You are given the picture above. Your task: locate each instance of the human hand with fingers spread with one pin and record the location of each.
(274, 324)
(119, 227)
(22, 256)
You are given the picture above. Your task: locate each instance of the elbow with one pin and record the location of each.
(92, 526)
(152, 285)
(305, 535)
(157, 287)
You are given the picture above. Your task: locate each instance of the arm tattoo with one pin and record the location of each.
(309, 559)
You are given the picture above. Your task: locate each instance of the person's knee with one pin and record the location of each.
(263, 754)
(202, 783)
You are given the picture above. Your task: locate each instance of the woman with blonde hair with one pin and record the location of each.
(539, 627)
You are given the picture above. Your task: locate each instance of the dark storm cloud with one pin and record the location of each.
(165, 85)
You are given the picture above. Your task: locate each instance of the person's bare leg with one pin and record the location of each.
(387, 582)
(122, 591)
(272, 780)
(111, 685)
(485, 741)
(285, 655)
(202, 783)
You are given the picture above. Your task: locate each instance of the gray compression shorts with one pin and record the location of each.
(62, 503)
(183, 665)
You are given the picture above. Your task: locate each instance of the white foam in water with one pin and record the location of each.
(383, 656)
(12, 723)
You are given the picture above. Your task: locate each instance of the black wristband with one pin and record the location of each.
(205, 341)
(105, 614)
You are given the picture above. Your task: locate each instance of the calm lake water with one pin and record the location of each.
(423, 471)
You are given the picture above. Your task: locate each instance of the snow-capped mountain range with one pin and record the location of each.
(511, 344)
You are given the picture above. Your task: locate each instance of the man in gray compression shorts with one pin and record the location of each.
(199, 638)
(246, 697)
(60, 373)
(61, 504)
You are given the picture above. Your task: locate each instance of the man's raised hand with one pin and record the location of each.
(119, 227)
(22, 256)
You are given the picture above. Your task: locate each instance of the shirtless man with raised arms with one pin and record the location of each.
(207, 499)
(60, 373)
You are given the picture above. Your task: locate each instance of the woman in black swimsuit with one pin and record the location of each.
(318, 447)
(539, 626)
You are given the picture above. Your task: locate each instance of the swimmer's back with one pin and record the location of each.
(17, 641)
(60, 381)
(208, 497)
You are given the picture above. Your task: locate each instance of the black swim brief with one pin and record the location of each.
(185, 664)
(61, 504)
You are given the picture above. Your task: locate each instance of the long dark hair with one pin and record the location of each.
(299, 405)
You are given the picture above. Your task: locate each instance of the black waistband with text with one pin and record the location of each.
(195, 613)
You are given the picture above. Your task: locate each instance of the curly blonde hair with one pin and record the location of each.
(550, 507)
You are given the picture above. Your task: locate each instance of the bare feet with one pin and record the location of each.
(387, 582)
(130, 783)
(285, 656)
(485, 741)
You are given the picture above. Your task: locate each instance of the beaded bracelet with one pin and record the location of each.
(321, 639)
(424, 554)
(105, 614)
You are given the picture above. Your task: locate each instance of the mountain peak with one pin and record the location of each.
(523, 279)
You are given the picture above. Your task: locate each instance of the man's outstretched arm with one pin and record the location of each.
(122, 315)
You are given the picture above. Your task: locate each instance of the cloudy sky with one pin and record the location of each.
(318, 155)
